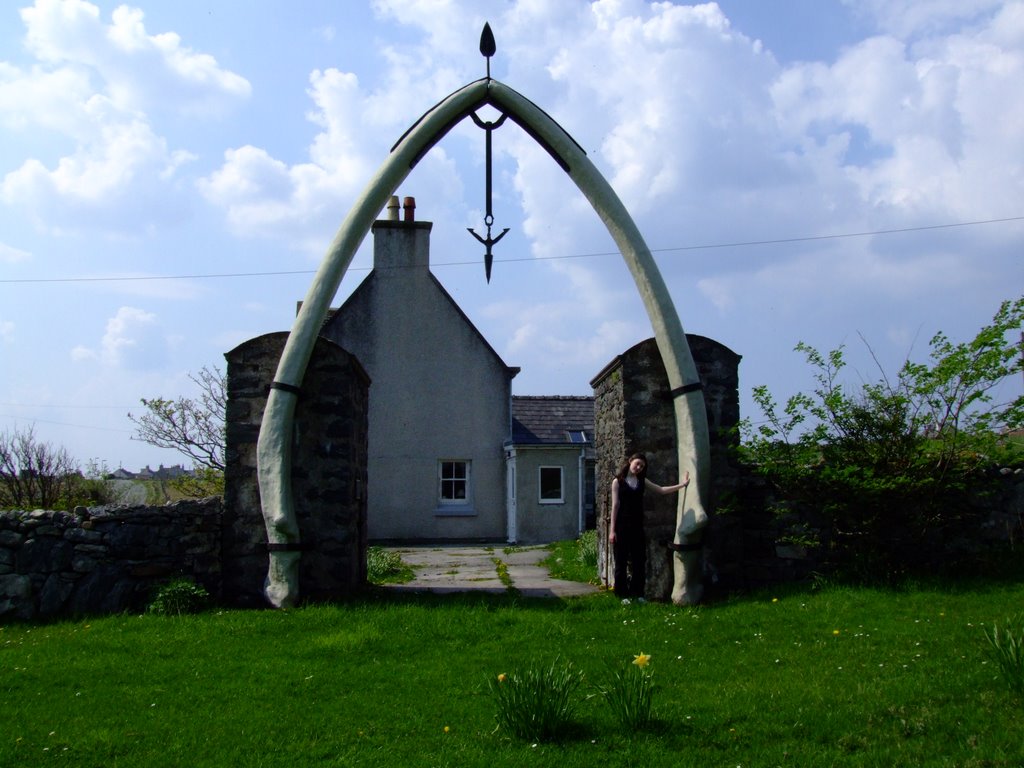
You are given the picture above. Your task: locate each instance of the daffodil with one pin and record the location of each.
(501, 678)
(642, 659)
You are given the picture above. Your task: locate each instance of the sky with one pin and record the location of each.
(834, 172)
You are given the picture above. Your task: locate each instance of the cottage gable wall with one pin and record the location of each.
(439, 393)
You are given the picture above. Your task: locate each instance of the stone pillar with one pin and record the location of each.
(633, 412)
(328, 471)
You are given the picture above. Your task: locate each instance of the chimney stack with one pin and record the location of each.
(401, 243)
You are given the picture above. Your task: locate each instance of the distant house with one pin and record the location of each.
(550, 461)
(161, 473)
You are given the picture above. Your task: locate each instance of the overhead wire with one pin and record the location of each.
(705, 246)
(708, 246)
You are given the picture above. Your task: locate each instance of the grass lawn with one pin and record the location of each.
(835, 676)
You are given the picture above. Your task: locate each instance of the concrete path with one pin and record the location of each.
(443, 569)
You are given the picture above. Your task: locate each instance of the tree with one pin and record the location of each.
(895, 466)
(34, 474)
(194, 427)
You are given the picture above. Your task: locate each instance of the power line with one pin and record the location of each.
(706, 246)
(66, 424)
(140, 278)
(52, 405)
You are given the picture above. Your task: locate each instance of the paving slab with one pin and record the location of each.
(445, 569)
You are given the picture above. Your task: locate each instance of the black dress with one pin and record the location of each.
(630, 546)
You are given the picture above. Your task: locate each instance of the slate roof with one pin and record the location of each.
(548, 420)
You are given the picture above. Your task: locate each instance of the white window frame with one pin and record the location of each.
(465, 501)
(561, 484)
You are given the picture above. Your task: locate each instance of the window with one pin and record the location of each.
(551, 485)
(576, 436)
(454, 476)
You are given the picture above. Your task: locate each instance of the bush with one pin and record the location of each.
(34, 474)
(895, 468)
(179, 597)
(538, 704)
(386, 567)
(1006, 646)
(631, 693)
(588, 548)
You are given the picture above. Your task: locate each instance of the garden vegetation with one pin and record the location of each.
(893, 473)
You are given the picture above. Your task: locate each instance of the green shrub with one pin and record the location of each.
(895, 468)
(386, 567)
(588, 548)
(1007, 648)
(630, 694)
(179, 597)
(538, 704)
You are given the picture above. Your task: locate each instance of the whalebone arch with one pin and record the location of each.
(274, 456)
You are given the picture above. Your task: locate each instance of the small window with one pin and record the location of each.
(454, 479)
(551, 485)
(577, 436)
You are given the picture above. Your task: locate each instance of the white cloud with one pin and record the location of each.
(263, 196)
(115, 172)
(48, 99)
(99, 86)
(11, 255)
(139, 71)
(929, 147)
(133, 340)
(304, 203)
(905, 18)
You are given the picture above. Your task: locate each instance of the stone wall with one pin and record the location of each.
(104, 560)
(329, 456)
(633, 412)
(750, 546)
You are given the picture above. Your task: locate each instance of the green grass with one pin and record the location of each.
(832, 677)
(574, 560)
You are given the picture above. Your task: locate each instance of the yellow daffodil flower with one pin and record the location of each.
(501, 678)
(642, 659)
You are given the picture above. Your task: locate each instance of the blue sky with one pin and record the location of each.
(209, 151)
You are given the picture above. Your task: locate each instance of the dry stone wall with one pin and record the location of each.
(104, 560)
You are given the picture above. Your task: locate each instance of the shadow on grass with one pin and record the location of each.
(508, 598)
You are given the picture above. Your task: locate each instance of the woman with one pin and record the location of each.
(626, 532)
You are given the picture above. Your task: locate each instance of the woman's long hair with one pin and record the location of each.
(624, 471)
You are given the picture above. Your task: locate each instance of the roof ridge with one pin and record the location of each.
(552, 397)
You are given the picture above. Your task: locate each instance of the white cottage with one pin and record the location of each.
(439, 398)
